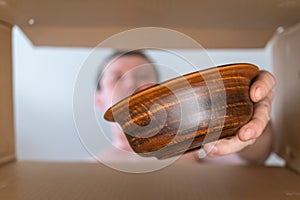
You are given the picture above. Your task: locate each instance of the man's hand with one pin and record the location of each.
(262, 95)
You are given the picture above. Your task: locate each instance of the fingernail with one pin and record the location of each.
(249, 134)
(201, 153)
(259, 93)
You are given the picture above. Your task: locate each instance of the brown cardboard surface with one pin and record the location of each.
(214, 23)
(93, 35)
(29, 180)
(286, 64)
(7, 152)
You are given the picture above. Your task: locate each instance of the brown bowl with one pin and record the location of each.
(186, 112)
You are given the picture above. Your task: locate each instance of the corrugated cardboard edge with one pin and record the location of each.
(7, 138)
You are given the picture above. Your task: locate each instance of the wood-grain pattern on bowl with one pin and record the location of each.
(156, 123)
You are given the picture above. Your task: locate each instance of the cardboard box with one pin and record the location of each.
(7, 147)
(44, 180)
(286, 62)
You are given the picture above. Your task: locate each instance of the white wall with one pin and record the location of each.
(44, 79)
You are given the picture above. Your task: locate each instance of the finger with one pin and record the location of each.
(260, 119)
(262, 85)
(225, 146)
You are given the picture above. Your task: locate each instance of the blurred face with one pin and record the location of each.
(122, 77)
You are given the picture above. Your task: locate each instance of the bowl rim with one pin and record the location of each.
(108, 113)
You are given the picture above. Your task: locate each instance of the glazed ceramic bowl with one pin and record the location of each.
(186, 112)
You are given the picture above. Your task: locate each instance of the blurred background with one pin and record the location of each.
(44, 79)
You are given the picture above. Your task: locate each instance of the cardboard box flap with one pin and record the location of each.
(93, 35)
(286, 109)
(7, 143)
(214, 23)
(29, 180)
